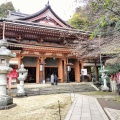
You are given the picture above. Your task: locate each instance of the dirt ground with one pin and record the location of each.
(109, 103)
(43, 107)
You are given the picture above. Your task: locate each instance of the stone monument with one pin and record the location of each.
(104, 76)
(22, 77)
(5, 55)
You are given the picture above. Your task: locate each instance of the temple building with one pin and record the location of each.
(41, 43)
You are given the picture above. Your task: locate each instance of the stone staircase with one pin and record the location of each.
(53, 89)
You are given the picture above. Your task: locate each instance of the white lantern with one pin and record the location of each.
(41, 67)
(68, 68)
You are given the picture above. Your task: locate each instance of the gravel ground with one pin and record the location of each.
(44, 107)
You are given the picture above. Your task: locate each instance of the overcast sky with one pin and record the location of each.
(63, 8)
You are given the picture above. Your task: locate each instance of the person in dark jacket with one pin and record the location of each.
(56, 79)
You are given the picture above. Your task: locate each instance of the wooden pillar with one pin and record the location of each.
(42, 73)
(60, 70)
(65, 71)
(19, 60)
(77, 71)
(44, 70)
(81, 67)
(38, 70)
(96, 72)
(89, 73)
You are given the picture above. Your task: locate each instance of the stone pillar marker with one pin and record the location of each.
(22, 77)
(104, 76)
(5, 55)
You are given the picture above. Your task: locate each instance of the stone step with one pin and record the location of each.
(60, 89)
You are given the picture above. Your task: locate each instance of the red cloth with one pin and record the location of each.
(12, 74)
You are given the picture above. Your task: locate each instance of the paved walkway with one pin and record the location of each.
(86, 108)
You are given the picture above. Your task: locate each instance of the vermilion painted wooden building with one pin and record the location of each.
(42, 38)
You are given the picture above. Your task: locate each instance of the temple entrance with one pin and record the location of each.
(31, 78)
(72, 75)
(49, 71)
(30, 64)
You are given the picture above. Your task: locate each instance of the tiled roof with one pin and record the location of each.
(42, 11)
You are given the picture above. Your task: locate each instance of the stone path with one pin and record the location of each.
(86, 108)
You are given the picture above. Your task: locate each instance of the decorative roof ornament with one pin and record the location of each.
(48, 3)
(22, 69)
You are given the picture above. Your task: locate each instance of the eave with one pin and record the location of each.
(36, 26)
(33, 31)
(40, 48)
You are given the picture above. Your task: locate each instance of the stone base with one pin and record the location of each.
(105, 88)
(7, 106)
(5, 100)
(21, 94)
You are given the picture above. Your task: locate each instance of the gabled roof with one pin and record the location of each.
(48, 14)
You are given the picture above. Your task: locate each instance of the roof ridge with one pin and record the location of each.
(47, 6)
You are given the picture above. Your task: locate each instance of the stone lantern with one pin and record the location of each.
(5, 55)
(104, 76)
(22, 77)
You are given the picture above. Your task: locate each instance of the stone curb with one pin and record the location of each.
(70, 110)
(8, 106)
(104, 116)
(94, 86)
(108, 113)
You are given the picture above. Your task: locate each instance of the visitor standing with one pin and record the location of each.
(52, 79)
(56, 79)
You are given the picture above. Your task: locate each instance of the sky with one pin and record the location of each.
(63, 8)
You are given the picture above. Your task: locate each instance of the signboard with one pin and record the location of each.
(83, 71)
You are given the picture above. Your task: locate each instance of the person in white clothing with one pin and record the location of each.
(52, 79)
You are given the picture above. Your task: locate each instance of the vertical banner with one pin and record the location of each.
(68, 68)
(41, 67)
